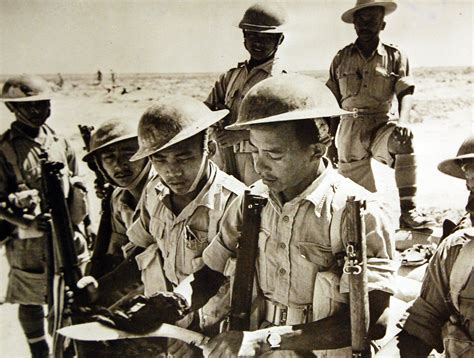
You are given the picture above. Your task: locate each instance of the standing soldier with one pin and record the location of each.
(263, 33)
(28, 98)
(364, 77)
(302, 288)
(443, 316)
(183, 204)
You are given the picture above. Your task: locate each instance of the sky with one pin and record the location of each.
(82, 36)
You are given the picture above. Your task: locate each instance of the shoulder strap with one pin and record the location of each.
(461, 271)
(9, 153)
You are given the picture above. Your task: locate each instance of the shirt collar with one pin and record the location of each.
(317, 191)
(206, 196)
(266, 66)
(380, 49)
(41, 139)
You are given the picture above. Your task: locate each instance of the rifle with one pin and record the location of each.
(245, 268)
(98, 265)
(356, 267)
(62, 263)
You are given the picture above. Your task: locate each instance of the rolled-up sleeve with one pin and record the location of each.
(216, 98)
(426, 317)
(380, 251)
(405, 80)
(224, 244)
(332, 83)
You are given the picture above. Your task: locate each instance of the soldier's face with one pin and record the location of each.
(369, 22)
(261, 45)
(179, 164)
(468, 169)
(33, 114)
(283, 163)
(115, 160)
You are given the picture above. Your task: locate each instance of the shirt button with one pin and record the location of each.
(365, 86)
(282, 245)
(282, 271)
(286, 218)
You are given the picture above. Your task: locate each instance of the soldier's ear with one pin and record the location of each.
(383, 26)
(211, 147)
(319, 149)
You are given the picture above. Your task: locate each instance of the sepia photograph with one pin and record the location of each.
(223, 178)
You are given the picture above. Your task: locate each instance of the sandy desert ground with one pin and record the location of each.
(442, 118)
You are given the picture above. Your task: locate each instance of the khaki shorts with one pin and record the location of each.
(363, 138)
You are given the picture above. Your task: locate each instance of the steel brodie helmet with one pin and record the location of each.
(264, 16)
(26, 88)
(453, 166)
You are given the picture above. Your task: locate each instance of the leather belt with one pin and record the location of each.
(362, 112)
(280, 315)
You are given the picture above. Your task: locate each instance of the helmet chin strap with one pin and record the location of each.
(139, 177)
(197, 179)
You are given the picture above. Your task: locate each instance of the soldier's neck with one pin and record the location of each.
(33, 132)
(367, 48)
(254, 63)
(179, 202)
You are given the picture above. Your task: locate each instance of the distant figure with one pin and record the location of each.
(99, 76)
(60, 82)
(112, 78)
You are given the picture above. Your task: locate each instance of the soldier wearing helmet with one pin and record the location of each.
(442, 317)
(298, 291)
(28, 98)
(364, 77)
(181, 207)
(262, 26)
(112, 145)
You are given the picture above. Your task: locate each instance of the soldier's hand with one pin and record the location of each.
(88, 290)
(36, 223)
(226, 138)
(226, 344)
(401, 141)
(26, 199)
(143, 314)
(180, 349)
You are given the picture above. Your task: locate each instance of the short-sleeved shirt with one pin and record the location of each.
(122, 205)
(430, 311)
(296, 241)
(369, 84)
(182, 238)
(232, 86)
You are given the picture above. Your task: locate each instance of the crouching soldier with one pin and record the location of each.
(24, 227)
(302, 290)
(262, 27)
(443, 316)
(182, 206)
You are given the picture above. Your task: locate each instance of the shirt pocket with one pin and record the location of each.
(349, 83)
(157, 231)
(317, 254)
(383, 85)
(264, 272)
(231, 97)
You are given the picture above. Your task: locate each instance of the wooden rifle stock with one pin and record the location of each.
(246, 257)
(356, 267)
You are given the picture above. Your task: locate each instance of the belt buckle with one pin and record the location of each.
(283, 315)
(356, 112)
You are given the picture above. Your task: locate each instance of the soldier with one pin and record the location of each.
(183, 204)
(112, 146)
(443, 315)
(263, 33)
(364, 77)
(28, 98)
(302, 289)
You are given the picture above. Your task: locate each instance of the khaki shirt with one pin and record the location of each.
(232, 86)
(369, 84)
(430, 312)
(122, 205)
(295, 241)
(174, 244)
